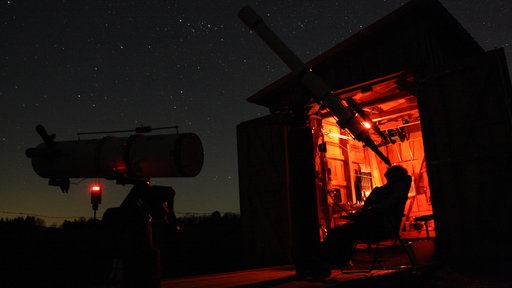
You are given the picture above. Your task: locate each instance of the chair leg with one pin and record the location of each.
(411, 258)
(373, 252)
(375, 255)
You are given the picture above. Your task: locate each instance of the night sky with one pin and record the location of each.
(83, 66)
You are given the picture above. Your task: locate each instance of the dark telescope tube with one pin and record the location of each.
(134, 157)
(320, 90)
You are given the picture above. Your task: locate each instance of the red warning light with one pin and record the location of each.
(96, 194)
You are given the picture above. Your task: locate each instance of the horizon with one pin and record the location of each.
(76, 68)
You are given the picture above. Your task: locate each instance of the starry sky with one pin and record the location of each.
(82, 66)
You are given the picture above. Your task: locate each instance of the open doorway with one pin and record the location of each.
(347, 171)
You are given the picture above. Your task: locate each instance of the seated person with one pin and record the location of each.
(384, 206)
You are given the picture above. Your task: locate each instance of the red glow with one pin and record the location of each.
(96, 191)
(367, 125)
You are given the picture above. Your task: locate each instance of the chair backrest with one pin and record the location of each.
(402, 189)
(389, 222)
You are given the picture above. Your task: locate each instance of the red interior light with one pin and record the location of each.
(366, 125)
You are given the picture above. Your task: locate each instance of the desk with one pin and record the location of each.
(351, 208)
(425, 219)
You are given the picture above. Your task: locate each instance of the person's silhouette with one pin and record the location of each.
(384, 204)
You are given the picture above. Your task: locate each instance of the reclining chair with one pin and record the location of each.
(374, 244)
(384, 224)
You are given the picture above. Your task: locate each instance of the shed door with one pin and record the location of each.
(466, 121)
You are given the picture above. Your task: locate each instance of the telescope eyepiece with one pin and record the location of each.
(31, 152)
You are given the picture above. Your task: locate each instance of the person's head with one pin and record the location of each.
(395, 173)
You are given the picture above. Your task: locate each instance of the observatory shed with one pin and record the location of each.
(443, 110)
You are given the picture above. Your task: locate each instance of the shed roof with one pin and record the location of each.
(421, 34)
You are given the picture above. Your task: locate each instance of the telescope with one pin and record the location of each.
(125, 159)
(346, 116)
(128, 160)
